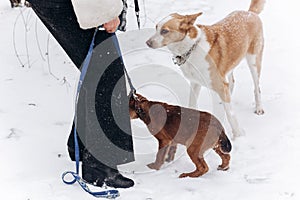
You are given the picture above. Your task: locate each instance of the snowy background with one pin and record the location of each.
(37, 86)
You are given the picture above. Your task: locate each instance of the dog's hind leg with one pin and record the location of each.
(225, 159)
(163, 149)
(194, 94)
(201, 169)
(223, 153)
(201, 166)
(254, 63)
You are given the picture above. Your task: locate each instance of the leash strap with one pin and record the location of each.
(137, 12)
(132, 88)
(110, 194)
(123, 21)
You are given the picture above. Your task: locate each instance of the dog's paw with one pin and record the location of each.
(259, 111)
(153, 166)
(223, 168)
(27, 4)
(193, 174)
(183, 175)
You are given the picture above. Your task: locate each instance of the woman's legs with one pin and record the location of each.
(102, 113)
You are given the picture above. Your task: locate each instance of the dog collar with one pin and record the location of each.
(181, 59)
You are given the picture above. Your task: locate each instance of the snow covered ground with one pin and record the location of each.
(36, 105)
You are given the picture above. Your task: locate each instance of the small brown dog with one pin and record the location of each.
(172, 125)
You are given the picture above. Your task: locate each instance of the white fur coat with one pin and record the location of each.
(92, 13)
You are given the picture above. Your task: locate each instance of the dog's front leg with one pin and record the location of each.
(161, 154)
(171, 153)
(194, 94)
(236, 131)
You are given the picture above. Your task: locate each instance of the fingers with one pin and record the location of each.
(112, 25)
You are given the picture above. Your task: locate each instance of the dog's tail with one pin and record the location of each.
(257, 6)
(224, 143)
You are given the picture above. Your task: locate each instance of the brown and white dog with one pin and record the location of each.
(172, 125)
(207, 55)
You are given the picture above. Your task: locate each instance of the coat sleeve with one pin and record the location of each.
(92, 13)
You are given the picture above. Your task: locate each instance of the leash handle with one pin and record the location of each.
(109, 194)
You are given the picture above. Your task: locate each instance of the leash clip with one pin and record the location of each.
(178, 60)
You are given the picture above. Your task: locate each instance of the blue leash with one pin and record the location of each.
(109, 194)
(132, 88)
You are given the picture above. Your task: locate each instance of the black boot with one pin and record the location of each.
(116, 180)
(96, 173)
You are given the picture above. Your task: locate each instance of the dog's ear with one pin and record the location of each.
(177, 16)
(186, 24)
(189, 21)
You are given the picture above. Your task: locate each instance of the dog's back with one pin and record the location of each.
(182, 125)
(236, 35)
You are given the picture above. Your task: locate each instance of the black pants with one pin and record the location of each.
(103, 123)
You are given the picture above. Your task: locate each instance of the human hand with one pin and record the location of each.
(112, 25)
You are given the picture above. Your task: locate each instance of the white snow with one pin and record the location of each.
(36, 108)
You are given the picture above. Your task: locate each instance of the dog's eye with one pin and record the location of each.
(164, 31)
(139, 110)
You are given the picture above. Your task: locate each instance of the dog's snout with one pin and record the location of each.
(149, 43)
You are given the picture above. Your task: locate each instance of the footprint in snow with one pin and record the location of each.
(255, 179)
